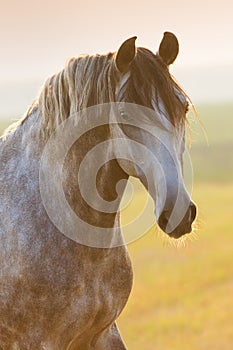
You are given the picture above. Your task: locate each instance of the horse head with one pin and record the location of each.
(149, 120)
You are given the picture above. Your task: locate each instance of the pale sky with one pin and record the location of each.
(37, 37)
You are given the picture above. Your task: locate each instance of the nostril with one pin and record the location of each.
(193, 212)
(163, 220)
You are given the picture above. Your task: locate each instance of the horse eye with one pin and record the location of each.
(123, 114)
(126, 117)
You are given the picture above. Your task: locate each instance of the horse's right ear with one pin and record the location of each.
(126, 54)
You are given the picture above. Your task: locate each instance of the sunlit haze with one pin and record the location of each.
(37, 37)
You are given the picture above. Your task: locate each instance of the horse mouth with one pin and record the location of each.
(185, 226)
(178, 232)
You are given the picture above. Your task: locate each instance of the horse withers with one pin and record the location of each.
(65, 271)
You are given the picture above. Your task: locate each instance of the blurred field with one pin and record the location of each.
(182, 298)
(212, 155)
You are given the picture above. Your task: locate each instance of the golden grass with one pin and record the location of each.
(182, 298)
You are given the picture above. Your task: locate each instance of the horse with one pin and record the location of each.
(65, 271)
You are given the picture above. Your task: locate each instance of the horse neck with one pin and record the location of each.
(102, 184)
(24, 151)
(23, 140)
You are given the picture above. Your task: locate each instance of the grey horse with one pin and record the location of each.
(57, 292)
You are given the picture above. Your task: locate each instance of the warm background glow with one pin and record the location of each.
(37, 37)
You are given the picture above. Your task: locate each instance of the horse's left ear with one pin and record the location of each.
(169, 48)
(126, 54)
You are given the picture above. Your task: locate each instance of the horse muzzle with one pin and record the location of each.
(184, 226)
